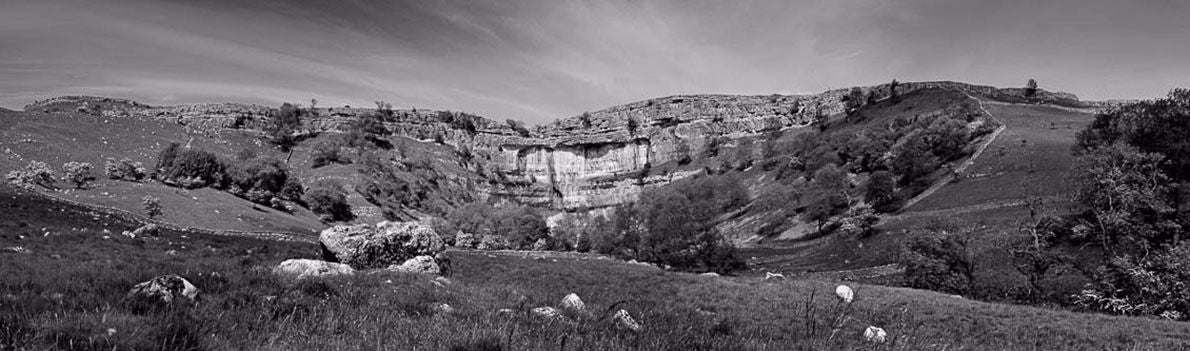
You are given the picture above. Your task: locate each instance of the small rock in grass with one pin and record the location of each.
(548, 312)
(419, 264)
(165, 289)
(303, 268)
(624, 320)
(572, 302)
(443, 308)
(874, 334)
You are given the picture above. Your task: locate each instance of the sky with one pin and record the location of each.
(540, 60)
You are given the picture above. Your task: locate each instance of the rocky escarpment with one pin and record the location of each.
(596, 159)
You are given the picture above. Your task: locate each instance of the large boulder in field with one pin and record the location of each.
(419, 264)
(303, 268)
(164, 289)
(387, 243)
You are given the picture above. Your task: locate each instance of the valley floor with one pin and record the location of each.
(64, 289)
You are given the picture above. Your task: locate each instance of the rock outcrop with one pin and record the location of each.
(387, 243)
(305, 268)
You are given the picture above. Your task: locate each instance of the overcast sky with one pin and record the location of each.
(541, 60)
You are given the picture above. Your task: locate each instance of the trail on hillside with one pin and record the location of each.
(971, 160)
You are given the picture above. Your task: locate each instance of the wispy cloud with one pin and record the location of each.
(538, 60)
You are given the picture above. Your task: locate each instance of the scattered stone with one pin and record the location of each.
(548, 312)
(385, 244)
(844, 293)
(172, 252)
(710, 274)
(419, 264)
(147, 230)
(874, 334)
(304, 268)
(443, 280)
(624, 320)
(443, 308)
(18, 249)
(165, 289)
(504, 311)
(771, 275)
(56, 256)
(572, 302)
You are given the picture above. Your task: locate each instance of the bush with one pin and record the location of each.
(124, 169)
(328, 199)
(36, 173)
(190, 168)
(282, 124)
(327, 152)
(78, 173)
(152, 206)
(941, 258)
(521, 226)
(259, 178)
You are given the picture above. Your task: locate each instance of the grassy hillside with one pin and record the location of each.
(1029, 159)
(65, 289)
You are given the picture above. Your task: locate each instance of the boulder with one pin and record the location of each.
(164, 289)
(385, 244)
(303, 268)
(875, 334)
(146, 230)
(419, 264)
(624, 320)
(548, 312)
(572, 302)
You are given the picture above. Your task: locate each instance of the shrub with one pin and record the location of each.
(152, 206)
(78, 173)
(191, 168)
(328, 199)
(36, 173)
(282, 124)
(263, 176)
(941, 258)
(124, 169)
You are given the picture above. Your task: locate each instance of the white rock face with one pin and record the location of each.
(572, 302)
(419, 264)
(165, 289)
(304, 268)
(874, 334)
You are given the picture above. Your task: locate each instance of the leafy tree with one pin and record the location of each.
(1125, 198)
(892, 92)
(328, 151)
(880, 191)
(78, 173)
(632, 124)
(193, 168)
(943, 258)
(913, 160)
(36, 173)
(585, 118)
(1031, 87)
(327, 198)
(124, 169)
(282, 124)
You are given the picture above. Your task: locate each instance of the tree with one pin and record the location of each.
(585, 118)
(283, 123)
(880, 191)
(1125, 197)
(36, 173)
(152, 206)
(1031, 87)
(854, 99)
(78, 173)
(943, 258)
(892, 92)
(632, 124)
(327, 198)
(912, 160)
(124, 169)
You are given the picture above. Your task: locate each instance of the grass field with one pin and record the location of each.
(66, 292)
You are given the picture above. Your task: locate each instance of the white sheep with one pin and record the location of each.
(844, 292)
(874, 334)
